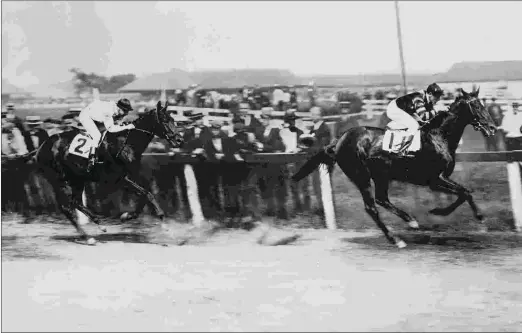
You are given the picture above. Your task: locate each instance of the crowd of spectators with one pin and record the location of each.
(280, 98)
(247, 134)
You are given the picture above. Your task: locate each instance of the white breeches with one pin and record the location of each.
(402, 117)
(90, 128)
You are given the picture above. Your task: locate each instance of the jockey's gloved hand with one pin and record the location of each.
(130, 126)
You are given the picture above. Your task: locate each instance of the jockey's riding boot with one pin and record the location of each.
(406, 142)
(92, 160)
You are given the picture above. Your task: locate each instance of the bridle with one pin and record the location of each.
(151, 133)
(475, 121)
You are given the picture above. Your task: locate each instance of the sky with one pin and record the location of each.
(42, 40)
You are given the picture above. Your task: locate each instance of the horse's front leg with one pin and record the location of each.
(144, 195)
(446, 185)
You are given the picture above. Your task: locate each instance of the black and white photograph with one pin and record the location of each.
(261, 166)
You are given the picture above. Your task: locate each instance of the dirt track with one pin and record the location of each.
(326, 281)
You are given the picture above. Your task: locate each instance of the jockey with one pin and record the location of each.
(103, 112)
(404, 110)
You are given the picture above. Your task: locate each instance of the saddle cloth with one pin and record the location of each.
(394, 136)
(82, 143)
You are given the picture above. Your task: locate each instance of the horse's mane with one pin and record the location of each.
(143, 116)
(440, 117)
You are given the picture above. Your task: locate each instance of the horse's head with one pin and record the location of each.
(477, 114)
(167, 127)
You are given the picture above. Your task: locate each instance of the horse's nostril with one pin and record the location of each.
(493, 128)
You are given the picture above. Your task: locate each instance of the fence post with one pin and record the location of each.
(515, 189)
(82, 218)
(327, 197)
(193, 196)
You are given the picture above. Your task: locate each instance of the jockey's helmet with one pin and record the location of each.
(125, 105)
(435, 90)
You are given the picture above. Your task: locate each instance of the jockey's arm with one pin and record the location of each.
(112, 127)
(417, 117)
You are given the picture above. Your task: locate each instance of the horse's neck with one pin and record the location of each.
(140, 144)
(452, 129)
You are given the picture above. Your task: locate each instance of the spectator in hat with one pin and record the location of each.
(52, 126)
(320, 131)
(194, 130)
(38, 134)
(278, 98)
(242, 182)
(312, 93)
(13, 142)
(345, 123)
(270, 140)
(21, 129)
(495, 142)
(290, 133)
(191, 97)
(180, 97)
(321, 136)
(69, 123)
(271, 176)
(512, 127)
(293, 98)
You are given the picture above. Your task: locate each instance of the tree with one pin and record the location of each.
(84, 82)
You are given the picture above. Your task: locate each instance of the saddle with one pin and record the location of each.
(395, 136)
(82, 143)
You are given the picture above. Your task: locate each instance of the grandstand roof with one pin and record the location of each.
(482, 71)
(171, 80)
(237, 78)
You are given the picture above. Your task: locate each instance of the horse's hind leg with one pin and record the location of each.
(64, 196)
(381, 194)
(360, 176)
(77, 190)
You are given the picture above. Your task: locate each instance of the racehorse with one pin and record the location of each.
(62, 160)
(360, 154)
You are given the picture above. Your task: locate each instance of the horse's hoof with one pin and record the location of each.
(91, 241)
(125, 216)
(103, 229)
(413, 224)
(161, 216)
(401, 244)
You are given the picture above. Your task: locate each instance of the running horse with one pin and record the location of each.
(62, 160)
(364, 154)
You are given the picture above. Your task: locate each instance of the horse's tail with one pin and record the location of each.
(322, 157)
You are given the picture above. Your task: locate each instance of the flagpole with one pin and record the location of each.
(401, 53)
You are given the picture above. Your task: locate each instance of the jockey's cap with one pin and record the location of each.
(124, 104)
(435, 90)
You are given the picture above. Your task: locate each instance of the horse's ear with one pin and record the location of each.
(464, 93)
(158, 105)
(476, 92)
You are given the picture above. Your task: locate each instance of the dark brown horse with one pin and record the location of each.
(62, 160)
(359, 153)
